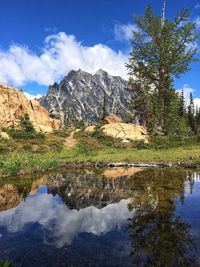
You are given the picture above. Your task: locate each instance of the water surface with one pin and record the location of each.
(114, 217)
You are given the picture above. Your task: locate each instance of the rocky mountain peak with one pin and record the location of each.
(83, 96)
(101, 72)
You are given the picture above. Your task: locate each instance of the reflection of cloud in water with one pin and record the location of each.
(63, 223)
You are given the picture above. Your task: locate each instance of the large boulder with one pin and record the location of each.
(126, 131)
(114, 127)
(14, 104)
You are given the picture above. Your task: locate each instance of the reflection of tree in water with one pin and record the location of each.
(158, 237)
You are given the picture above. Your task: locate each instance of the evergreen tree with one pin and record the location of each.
(140, 103)
(26, 124)
(160, 53)
(197, 120)
(181, 106)
(191, 118)
(104, 109)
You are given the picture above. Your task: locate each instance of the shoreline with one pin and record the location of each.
(107, 165)
(21, 163)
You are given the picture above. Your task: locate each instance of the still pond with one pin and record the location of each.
(101, 217)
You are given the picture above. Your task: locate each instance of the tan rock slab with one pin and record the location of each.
(126, 131)
(14, 104)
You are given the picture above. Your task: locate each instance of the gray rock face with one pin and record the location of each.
(83, 96)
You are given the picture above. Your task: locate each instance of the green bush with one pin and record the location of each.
(7, 146)
(139, 144)
(170, 141)
(106, 140)
(40, 149)
(57, 147)
(26, 124)
(62, 133)
(18, 134)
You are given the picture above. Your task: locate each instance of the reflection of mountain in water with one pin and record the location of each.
(80, 218)
(12, 191)
(63, 223)
(84, 188)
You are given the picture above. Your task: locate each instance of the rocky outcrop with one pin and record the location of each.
(126, 131)
(114, 127)
(14, 104)
(87, 97)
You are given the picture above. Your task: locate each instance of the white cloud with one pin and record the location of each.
(61, 53)
(197, 102)
(45, 208)
(30, 96)
(187, 90)
(123, 32)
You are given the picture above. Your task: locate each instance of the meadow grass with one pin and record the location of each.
(31, 155)
(14, 162)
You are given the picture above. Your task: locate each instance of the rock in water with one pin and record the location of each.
(14, 104)
(82, 96)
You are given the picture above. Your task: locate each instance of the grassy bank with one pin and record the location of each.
(15, 162)
(22, 156)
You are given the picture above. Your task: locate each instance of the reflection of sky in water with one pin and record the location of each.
(62, 223)
(44, 229)
(189, 210)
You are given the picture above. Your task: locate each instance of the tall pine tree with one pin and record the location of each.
(182, 105)
(161, 52)
(191, 118)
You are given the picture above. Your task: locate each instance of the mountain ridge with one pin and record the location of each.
(82, 96)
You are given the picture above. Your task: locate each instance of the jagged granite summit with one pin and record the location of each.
(83, 96)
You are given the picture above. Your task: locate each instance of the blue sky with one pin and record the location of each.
(41, 40)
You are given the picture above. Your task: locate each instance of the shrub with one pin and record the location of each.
(139, 144)
(18, 134)
(170, 141)
(40, 149)
(26, 124)
(105, 139)
(7, 146)
(62, 133)
(56, 146)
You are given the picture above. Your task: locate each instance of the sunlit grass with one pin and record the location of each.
(15, 161)
(20, 156)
